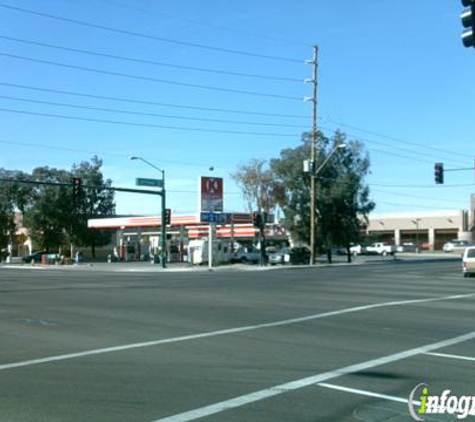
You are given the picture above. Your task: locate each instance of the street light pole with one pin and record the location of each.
(163, 225)
(310, 167)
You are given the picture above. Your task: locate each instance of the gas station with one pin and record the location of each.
(139, 237)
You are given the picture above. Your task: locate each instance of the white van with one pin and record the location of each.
(468, 261)
(198, 251)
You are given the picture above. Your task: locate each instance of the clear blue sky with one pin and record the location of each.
(392, 74)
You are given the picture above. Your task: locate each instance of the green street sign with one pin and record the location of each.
(157, 183)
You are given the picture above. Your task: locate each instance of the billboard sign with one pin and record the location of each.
(211, 194)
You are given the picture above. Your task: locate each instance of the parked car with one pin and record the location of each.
(247, 255)
(35, 257)
(281, 256)
(357, 250)
(299, 256)
(454, 244)
(381, 249)
(468, 261)
(407, 247)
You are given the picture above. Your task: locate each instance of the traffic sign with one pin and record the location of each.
(215, 217)
(158, 183)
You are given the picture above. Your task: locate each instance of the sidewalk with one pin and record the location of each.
(185, 267)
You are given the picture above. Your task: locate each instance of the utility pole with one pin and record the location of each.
(313, 159)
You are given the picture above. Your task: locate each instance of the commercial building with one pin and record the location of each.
(427, 229)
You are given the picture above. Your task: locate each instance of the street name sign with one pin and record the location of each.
(157, 183)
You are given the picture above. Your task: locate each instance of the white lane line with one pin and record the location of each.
(444, 355)
(366, 393)
(305, 382)
(227, 331)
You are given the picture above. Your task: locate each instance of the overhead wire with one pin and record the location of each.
(208, 25)
(400, 204)
(146, 125)
(137, 113)
(179, 106)
(152, 103)
(92, 153)
(419, 145)
(150, 62)
(407, 195)
(418, 158)
(149, 78)
(147, 36)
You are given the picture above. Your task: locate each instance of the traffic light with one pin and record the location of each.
(77, 187)
(468, 22)
(168, 216)
(439, 173)
(257, 219)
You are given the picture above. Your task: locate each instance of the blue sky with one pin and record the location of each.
(394, 75)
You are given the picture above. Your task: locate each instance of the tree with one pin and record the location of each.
(13, 197)
(257, 185)
(95, 201)
(6, 223)
(342, 201)
(48, 213)
(53, 214)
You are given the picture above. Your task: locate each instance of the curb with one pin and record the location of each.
(103, 267)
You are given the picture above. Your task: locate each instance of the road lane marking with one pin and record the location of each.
(366, 393)
(276, 390)
(227, 331)
(444, 355)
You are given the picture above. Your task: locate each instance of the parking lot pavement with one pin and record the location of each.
(331, 344)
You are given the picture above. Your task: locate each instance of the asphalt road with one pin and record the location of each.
(345, 343)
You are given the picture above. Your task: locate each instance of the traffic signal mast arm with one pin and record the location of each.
(34, 182)
(439, 171)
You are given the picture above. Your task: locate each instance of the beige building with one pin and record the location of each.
(428, 229)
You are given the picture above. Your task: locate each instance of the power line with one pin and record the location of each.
(396, 186)
(393, 154)
(153, 103)
(100, 154)
(149, 62)
(398, 194)
(149, 78)
(209, 25)
(400, 204)
(371, 141)
(392, 138)
(149, 125)
(148, 36)
(137, 113)
(136, 101)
